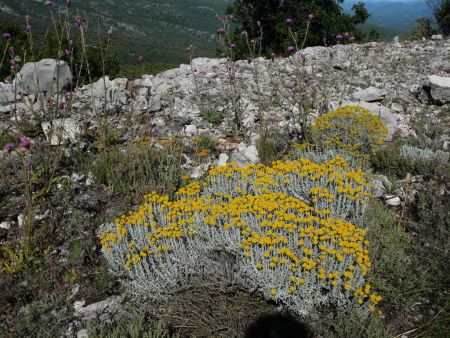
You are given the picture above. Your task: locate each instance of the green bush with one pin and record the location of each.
(136, 169)
(432, 207)
(395, 270)
(329, 20)
(212, 116)
(137, 326)
(352, 324)
(17, 40)
(400, 158)
(441, 13)
(272, 147)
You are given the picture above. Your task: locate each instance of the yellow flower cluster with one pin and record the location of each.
(329, 181)
(143, 141)
(351, 128)
(273, 215)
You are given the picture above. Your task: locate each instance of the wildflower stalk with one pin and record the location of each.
(198, 95)
(299, 89)
(103, 53)
(28, 194)
(229, 46)
(4, 52)
(254, 55)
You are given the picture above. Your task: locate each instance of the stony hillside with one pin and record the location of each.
(403, 83)
(75, 159)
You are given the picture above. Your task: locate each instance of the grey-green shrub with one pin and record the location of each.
(207, 232)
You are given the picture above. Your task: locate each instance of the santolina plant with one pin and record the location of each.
(291, 230)
(417, 154)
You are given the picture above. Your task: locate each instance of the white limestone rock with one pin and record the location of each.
(63, 130)
(45, 75)
(435, 90)
(371, 94)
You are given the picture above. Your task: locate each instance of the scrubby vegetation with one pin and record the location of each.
(306, 233)
(298, 231)
(254, 15)
(287, 230)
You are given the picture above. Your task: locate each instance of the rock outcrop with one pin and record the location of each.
(46, 75)
(370, 94)
(401, 84)
(435, 90)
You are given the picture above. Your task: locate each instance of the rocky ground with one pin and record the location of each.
(96, 149)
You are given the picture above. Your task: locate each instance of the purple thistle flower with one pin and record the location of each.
(339, 38)
(293, 89)
(220, 30)
(11, 49)
(310, 17)
(6, 36)
(67, 52)
(233, 46)
(29, 165)
(290, 21)
(25, 142)
(141, 58)
(62, 105)
(9, 147)
(351, 39)
(69, 3)
(78, 22)
(290, 49)
(48, 2)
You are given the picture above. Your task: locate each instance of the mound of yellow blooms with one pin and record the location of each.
(352, 129)
(293, 228)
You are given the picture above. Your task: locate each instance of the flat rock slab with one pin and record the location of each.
(435, 90)
(370, 94)
(102, 310)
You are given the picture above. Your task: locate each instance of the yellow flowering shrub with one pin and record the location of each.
(293, 230)
(352, 129)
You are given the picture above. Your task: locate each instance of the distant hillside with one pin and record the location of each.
(147, 27)
(392, 17)
(161, 30)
